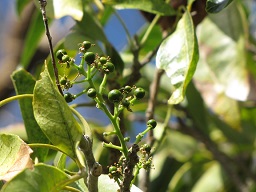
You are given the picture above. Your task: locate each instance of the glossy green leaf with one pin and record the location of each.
(32, 39)
(15, 156)
(43, 178)
(54, 116)
(153, 6)
(60, 8)
(178, 56)
(215, 6)
(24, 83)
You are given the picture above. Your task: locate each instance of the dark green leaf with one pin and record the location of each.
(55, 117)
(24, 83)
(215, 6)
(153, 6)
(33, 37)
(178, 56)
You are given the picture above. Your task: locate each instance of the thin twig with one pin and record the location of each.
(43, 4)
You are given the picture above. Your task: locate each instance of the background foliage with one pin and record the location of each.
(205, 137)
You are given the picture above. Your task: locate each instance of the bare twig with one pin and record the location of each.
(43, 4)
(94, 168)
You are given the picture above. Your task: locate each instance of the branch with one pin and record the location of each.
(94, 168)
(128, 168)
(43, 4)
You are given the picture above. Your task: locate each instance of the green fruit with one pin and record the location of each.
(89, 57)
(127, 89)
(139, 93)
(126, 103)
(86, 44)
(108, 67)
(112, 169)
(103, 60)
(115, 96)
(60, 53)
(147, 148)
(65, 58)
(152, 123)
(91, 93)
(63, 81)
(68, 97)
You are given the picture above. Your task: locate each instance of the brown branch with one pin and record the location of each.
(43, 4)
(128, 168)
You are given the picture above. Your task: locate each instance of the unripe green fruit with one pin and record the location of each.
(91, 93)
(152, 123)
(112, 169)
(139, 93)
(89, 57)
(147, 148)
(65, 58)
(126, 103)
(68, 97)
(127, 89)
(115, 96)
(103, 60)
(63, 81)
(86, 44)
(60, 53)
(108, 67)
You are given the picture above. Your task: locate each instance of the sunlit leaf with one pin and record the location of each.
(60, 8)
(211, 181)
(43, 178)
(178, 56)
(153, 6)
(15, 156)
(24, 83)
(54, 116)
(215, 6)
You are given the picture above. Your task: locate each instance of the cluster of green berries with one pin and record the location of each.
(64, 58)
(115, 172)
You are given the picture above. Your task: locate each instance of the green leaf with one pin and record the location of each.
(32, 39)
(211, 181)
(43, 178)
(178, 56)
(14, 156)
(215, 6)
(152, 6)
(222, 40)
(60, 8)
(20, 5)
(24, 83)
(55, 117)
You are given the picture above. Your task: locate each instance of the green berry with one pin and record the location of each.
(147, 148)
(127, 89)
(68, 97)
(91, 93)
(139, 93)
(126, 103)
(115, 96)
(89, 57)
(152, 123)
(63, 81)
(103, 60)
(65, 58)
(108, 67)
(86, 44)
(112, 169)
(60, 53)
